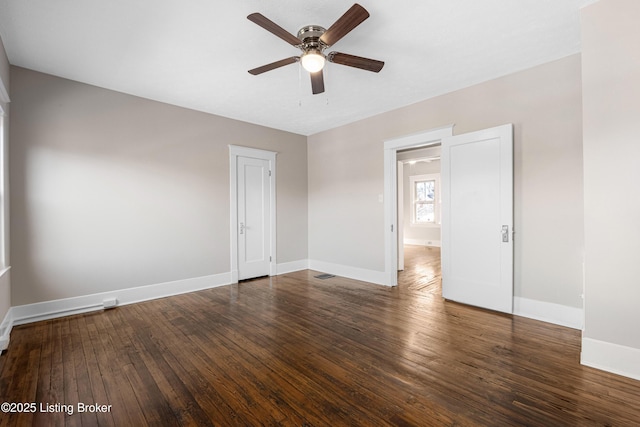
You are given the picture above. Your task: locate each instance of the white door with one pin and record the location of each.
(253, 217)
(477, 218)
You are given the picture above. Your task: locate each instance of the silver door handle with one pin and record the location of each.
(505, 233)
(242, 228)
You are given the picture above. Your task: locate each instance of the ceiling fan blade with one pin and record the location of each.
(274, 28)
(274, 65)
(347, 22)
(317, 82)
(355, 61)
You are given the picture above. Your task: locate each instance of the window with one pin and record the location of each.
(425, 199)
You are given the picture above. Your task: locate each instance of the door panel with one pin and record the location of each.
(477, 179)
(253, 217)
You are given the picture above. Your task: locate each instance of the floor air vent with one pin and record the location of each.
(324, 276)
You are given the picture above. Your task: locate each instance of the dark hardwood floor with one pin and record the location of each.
(296, 350)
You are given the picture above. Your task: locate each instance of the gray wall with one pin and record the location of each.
(544, 104)
(611, 87)
(111, 191)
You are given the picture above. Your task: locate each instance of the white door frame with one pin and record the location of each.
(391, 147)
(236, 151)
(400, 196)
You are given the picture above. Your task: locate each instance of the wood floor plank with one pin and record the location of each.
(241, 357)
(374, 344)
(95, 384)
(307, 380)
(49, 389)
(182, 360)
(70, 352)
(176, 396)
(290, 357)
(155, 408)
(22, 381)
(114, 357)
(198, 376)
(296, 350)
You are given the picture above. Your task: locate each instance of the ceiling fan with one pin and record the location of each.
(312, 40)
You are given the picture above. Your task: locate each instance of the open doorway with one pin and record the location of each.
(477, 213)
(392, 148)
(419, 218)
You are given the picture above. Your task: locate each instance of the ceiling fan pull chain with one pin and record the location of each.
(326, 100)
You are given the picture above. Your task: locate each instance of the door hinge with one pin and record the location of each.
(269, 259)
(269, 173)
(392, 228)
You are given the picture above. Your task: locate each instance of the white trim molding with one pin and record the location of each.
(391, 147)
(365, 275)
(290, 267)
(422, 242)
(4, 94)
(236, 151)
(610, 357)
(6, 324)
(557, 314)
(5, 331)
(29, 313)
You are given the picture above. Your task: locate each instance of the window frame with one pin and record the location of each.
(413, 179)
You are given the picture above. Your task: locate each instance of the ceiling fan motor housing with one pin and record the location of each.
(310, 37)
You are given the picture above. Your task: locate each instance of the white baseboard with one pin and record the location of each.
(557, 314)
(6, 324)
(5, 330)
(18, 315)
(422, 242)
(372, 276)
(614, 358)
(28, 313)
(290, 267)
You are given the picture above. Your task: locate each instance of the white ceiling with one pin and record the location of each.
(196, 53)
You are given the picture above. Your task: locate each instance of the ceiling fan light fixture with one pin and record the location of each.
(312, 61)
